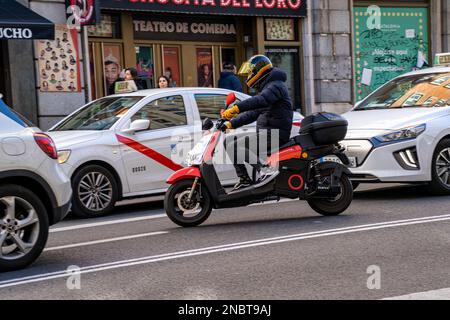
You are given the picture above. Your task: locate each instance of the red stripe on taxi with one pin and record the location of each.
(149, 153)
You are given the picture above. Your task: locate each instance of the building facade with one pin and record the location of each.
(335, 52)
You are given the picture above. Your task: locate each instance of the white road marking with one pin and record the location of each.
(105, 223)
(146, 217)
(89, 243)
(223, 248)
(441, 294)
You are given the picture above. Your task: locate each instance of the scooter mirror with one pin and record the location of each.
(207, 124)
(231, 97)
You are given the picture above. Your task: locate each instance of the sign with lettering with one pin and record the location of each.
(267, 8)
(389, 41)
(85, 12)
(187, 28)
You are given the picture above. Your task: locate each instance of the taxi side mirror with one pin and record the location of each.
(137, 125)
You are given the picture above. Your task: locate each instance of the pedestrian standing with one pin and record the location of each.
(228, 78)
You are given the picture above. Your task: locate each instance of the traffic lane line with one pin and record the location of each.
(102, 241)
(440, 294)
(136, 219)
(106, 223)
(220, 248)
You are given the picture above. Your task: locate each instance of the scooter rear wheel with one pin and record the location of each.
(187, 213)
(337, 205)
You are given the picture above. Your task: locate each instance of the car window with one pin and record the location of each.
(14, 116)
(101, 114)
(163, 113)
(209, 105)
(425, 91)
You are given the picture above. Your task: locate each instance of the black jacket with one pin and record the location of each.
(228, 80)
(271, 107)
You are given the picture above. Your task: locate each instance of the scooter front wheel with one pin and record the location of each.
(184, 211)
(333, 207)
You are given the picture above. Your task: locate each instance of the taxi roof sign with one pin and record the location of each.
(125, 87)
(442, 59)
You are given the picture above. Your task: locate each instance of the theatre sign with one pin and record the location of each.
(267, 8)
(189, 28)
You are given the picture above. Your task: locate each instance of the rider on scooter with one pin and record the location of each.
(271, 108)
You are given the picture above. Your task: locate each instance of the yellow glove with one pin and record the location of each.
(230, 113)
(226, 126)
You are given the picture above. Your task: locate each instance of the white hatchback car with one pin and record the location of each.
(401, 132)
(124, 146)
(34, 191)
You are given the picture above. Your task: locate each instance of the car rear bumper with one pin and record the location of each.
(59, 213)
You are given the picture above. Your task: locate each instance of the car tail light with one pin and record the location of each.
(46, 144)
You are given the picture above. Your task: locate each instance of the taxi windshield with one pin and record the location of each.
(99, 115)
(416, 91)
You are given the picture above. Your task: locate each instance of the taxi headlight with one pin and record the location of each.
(63, 156)
(402, 134)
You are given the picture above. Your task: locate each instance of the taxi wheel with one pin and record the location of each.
(440, 169)
(95, 192)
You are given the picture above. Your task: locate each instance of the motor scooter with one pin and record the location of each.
(298, 173)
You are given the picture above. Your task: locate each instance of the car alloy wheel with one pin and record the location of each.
(443, 166)
(19, 227)
(95, 191)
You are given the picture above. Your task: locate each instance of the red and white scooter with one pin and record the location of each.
(298, 174)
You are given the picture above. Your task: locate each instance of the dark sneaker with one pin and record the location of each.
(243, 183)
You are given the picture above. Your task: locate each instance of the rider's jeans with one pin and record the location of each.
(252, 149)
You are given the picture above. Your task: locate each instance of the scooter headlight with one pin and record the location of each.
(402, 134)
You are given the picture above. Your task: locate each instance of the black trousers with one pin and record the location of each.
(252, 149)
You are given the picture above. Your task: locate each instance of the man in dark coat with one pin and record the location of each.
(228, 79)
(271, 108)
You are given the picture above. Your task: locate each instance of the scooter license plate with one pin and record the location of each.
(336, 159)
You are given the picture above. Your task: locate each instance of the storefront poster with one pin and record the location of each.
(112, 63)
(278, 8)
(59, 67)
(144, 64)
(389, 41)
(280, 29)
(205, 67)
(171, 63)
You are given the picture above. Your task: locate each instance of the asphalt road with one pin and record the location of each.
(392, 241)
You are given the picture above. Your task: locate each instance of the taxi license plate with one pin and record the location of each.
(336, 159)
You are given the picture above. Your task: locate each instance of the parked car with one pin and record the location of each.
(34, 191)
(122, 146)
(401, 132)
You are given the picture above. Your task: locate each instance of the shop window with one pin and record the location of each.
(163, 113)
(109, 27)
(209, 105)
(287, 59)
(145, 66)
(280, 30)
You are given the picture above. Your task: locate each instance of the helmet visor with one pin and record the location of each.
(245, 69)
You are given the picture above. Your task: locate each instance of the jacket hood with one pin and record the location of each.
(274, 75)
(226, 74)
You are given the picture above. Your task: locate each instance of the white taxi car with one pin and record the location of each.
(401, 132)
(34, 191)
(123, 146)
